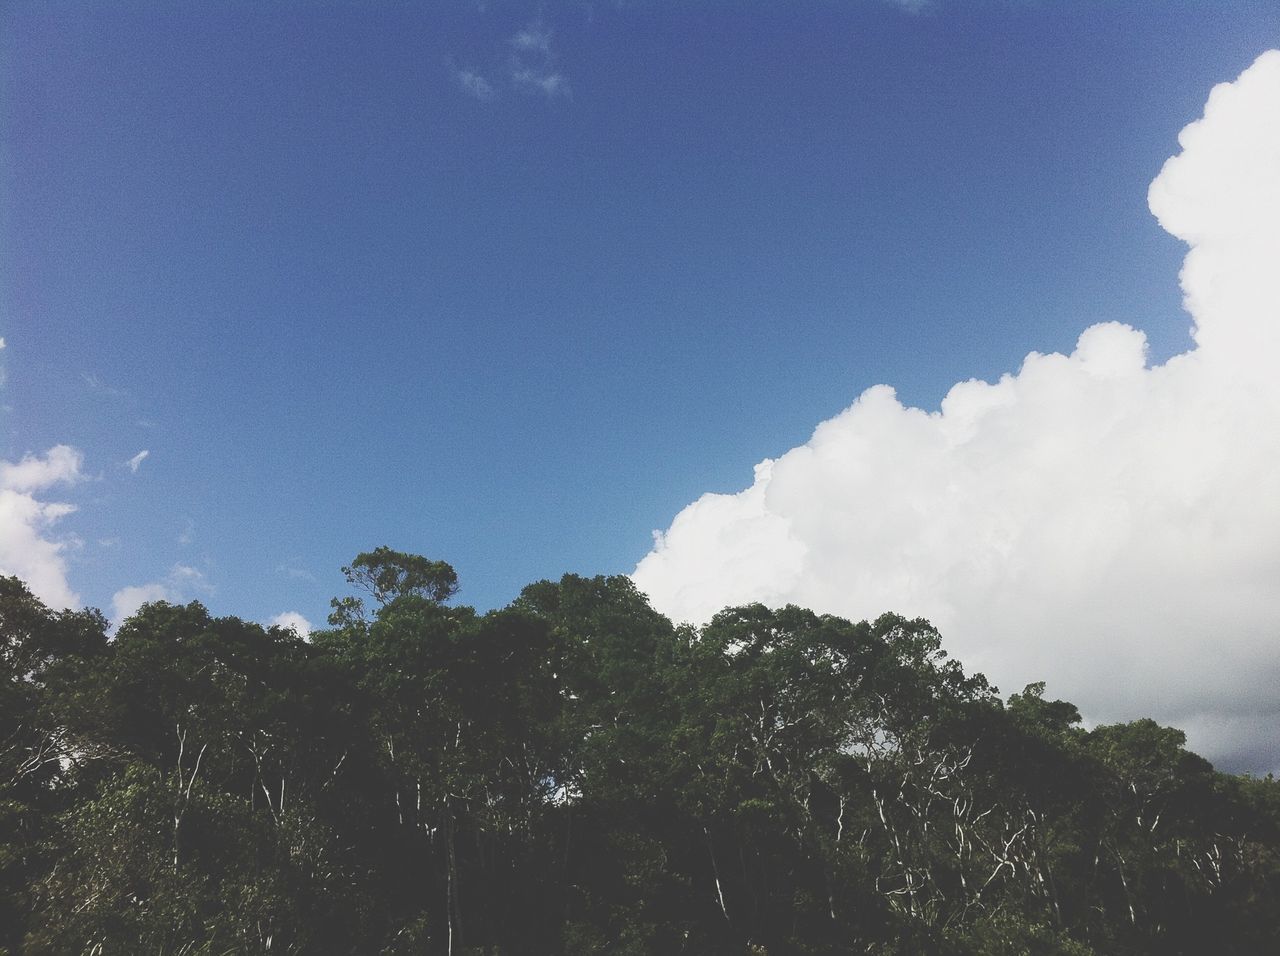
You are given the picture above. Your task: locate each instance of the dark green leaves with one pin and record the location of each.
(574, 774)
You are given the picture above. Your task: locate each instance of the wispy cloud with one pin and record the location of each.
(102, 388)
(533, 67)
(474, 85)
(535, 38)
(187, 578)
(136, 461)
(913, 6)
(548, 82)
(1111, 527)
(293, 569)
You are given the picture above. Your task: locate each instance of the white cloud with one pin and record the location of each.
(294, 569)
(1111, 527)
(541, 79)
(26, 550)
(292, 620)
(98, 385)
(126, 601)
(475, 85)
(535, 38)
(533, 67)
(137, 460)
(187, 578)
(913, 6)
(59, 465)
(181, 581)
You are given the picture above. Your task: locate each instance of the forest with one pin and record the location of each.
(575, 774)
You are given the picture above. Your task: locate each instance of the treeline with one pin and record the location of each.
(574, 774)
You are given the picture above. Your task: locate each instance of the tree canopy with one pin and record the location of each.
(576, 774)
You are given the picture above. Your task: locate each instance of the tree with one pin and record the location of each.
(388, 574)
(576, 775)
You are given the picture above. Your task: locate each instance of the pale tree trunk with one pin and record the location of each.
(183, 792)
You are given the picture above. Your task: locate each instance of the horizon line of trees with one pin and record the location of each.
(575, 774)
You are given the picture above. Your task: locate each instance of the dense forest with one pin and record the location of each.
(575, 774)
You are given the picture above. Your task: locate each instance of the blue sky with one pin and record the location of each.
(510, 284)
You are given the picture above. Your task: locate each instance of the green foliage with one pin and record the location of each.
(574, 774)
(1004, 934)
(388, 574)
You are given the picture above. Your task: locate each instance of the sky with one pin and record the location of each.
(515, 285)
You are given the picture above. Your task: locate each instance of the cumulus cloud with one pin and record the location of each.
(137, 460)
(126, 601)
(26, 549)
(1091, 520)
(178, 585)
(59, 465)
(292, 620)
